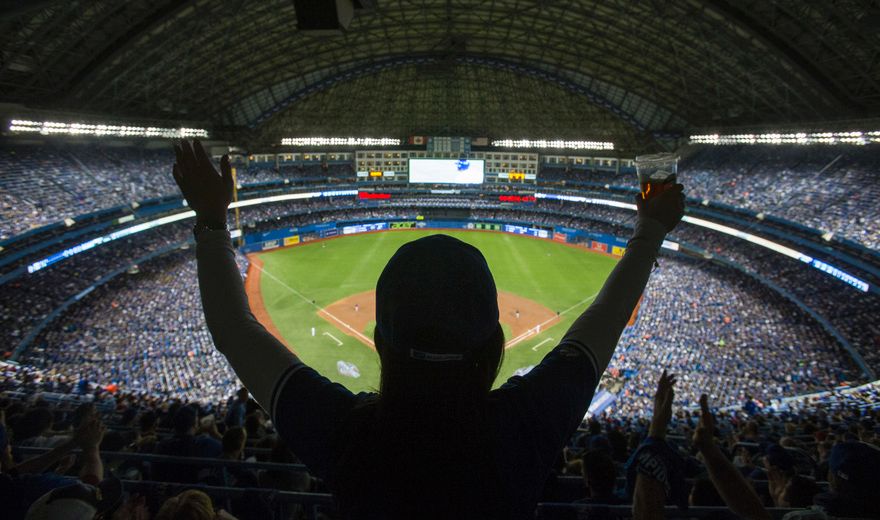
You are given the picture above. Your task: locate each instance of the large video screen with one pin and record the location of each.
(446, 171)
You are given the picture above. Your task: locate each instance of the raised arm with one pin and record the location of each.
(560, 388)
(257, 357)
(649, 497)
(731, 485)
(597, 330)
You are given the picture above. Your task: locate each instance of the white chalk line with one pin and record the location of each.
(320, 310)
(334, 338)
(525, 335)
(535, 348)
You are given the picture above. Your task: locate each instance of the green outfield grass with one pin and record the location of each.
(557, 276)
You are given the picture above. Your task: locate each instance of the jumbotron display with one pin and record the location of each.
(446, 171)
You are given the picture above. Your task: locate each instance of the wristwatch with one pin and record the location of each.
(208, 226)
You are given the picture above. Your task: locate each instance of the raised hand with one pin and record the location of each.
(704, 434)
(662, 406)
(667, 208)
(90, 433)
(207, 192)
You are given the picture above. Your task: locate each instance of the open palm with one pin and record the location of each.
(207, 192)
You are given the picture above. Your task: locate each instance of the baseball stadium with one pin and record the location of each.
(206, 208)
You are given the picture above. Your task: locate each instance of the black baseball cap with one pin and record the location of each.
(77, 501)
(857, 463)
(780, 457)
(436, 300)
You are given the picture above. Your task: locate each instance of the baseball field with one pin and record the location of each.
(318, 297)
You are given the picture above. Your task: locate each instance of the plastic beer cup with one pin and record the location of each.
(657, 172)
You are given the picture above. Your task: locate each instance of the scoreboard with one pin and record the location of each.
(446, 171)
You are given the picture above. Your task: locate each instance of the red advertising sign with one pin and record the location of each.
(516, 198)
(599, 246)
(368, 195)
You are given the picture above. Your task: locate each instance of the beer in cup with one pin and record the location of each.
(657, 172)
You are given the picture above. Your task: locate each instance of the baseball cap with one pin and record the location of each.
(436, 300)
(780, 457)
(856, 462)
(184, 419)
(77, 501)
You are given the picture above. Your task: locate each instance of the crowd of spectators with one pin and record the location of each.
(144, 332)
(45, 418)
(40, 185)
(719, 322)
(45, 184)
(131, 455)
(847, 309)
(829, 188)
(26, 300)
(726, 335)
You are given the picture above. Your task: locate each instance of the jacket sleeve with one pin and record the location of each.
(555, 395)
(257, 357)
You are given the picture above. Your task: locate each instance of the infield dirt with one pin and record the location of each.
(522, 315)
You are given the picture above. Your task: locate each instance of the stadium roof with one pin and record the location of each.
(623, 70)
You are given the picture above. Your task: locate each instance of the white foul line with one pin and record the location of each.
(334, 338)
(301, 295)
(526, 334)
(535, 348)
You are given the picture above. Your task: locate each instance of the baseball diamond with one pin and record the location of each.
(318, 285)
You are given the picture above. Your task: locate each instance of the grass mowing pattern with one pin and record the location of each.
(555, 275)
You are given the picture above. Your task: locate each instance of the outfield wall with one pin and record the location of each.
(291, 236)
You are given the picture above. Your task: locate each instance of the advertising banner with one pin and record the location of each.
(402, 225)
(484, 226)
(525, 230)
(291, 241)
(363, 228)
(601, 247)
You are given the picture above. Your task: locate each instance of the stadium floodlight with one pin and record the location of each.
(340, 141)
(22, 126)
(553, 143)
(804, 138)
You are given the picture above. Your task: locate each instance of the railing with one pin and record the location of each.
(183, 461)
(555, 511)
(279, 501)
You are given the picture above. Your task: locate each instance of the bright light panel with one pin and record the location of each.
(339, 141)
(102, 130)
(857, 138)
(545, 143)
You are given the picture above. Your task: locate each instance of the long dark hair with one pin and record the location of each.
(424, 435)
(405, 380)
